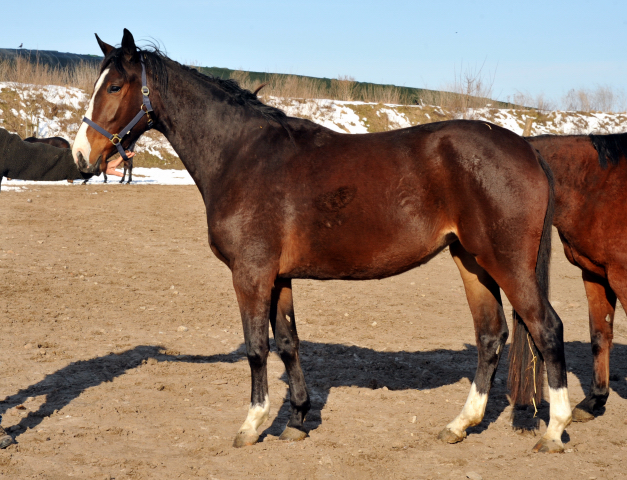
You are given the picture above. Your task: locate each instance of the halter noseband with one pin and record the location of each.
(145, 109)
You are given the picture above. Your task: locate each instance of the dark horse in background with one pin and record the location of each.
(58, 142)
(590, 199)
(28, 160)
(286, 198)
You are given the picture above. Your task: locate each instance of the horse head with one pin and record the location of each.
(118, 111)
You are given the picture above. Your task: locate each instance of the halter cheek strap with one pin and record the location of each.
(145, 109)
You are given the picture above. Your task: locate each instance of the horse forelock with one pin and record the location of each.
(610, 148)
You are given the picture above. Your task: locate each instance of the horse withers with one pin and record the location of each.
(286, 198)
(590, 177)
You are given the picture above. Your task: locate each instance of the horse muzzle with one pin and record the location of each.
(85, 167)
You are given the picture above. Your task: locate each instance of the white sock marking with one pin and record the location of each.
(472, 413)
(257, 414)
(560, 414)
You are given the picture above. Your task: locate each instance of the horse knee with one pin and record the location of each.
(257, 352)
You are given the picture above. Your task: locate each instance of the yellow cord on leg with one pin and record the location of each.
(534, 360)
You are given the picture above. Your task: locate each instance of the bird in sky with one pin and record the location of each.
(21, 45)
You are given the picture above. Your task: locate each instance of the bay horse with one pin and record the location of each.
(590, 176)
(286, 198)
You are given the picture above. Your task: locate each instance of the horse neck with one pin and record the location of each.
(202, 123)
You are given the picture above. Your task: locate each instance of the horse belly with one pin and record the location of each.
(369, 252)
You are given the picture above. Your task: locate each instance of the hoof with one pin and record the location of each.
(581, 415)
(245, 439)
(448, 436)
(293, 434)
(548, 446)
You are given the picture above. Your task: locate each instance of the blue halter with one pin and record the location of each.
(145, 109)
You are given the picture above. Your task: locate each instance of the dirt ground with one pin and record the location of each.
(122, 358)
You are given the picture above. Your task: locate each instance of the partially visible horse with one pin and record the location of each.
(127, 166)
(286, 198)
(591, 196)
(58, 142)
(34, 161)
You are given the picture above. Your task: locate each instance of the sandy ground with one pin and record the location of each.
(122, 358)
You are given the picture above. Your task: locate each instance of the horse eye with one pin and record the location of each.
(114, 89)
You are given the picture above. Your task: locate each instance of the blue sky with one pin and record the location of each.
(537, 47)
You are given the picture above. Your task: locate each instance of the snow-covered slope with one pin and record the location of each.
(57, 111)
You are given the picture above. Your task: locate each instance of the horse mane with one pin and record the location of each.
(610, 148)
(156, 63)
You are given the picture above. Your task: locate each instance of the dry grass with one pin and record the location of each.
(470, 89)
(603, 98)
(21, 70)
(343, 88)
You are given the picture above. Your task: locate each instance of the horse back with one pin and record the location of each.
(58, 142)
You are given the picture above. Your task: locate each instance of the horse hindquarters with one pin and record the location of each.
(514, 249)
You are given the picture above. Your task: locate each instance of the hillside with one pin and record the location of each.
(324, 87)
(57, 111)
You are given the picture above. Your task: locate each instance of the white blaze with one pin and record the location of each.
(81, 144)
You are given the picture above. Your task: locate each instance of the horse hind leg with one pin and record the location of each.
(484, 299)
(601, 308)
(283, 323)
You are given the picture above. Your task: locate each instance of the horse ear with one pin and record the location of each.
(105, 47)
(128, 45)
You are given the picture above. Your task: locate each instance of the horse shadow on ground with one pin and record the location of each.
(326, 366)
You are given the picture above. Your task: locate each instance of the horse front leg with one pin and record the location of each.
(601, 308)
(130, 174)
(484, 298)
(283, 323)
(253, 296)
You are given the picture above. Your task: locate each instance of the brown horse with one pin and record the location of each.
(286, 198)
(590, 178)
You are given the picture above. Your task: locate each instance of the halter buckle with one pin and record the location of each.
(145, 91)
(115, 137)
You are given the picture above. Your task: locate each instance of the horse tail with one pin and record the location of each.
(526, 365)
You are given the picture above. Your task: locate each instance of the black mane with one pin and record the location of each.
(610, 148)
(155, 63)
